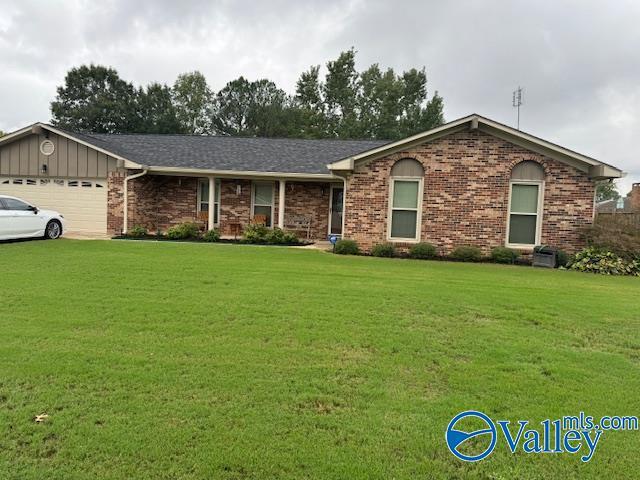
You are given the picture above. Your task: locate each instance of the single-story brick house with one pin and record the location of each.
(472, 181)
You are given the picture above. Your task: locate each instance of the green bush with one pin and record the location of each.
(211, 236)
(604, 262)
(504, 255)
(278, 236)
(184, 231)
(423, 251)
(291, 238)
(137, 232)
(466, 253)
(347, 247)
(384, 250)
(255, 233)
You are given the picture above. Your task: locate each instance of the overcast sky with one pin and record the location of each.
(578, 61)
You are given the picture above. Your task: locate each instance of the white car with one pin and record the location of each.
(19, 219)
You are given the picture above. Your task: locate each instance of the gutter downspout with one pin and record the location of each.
(125, 223)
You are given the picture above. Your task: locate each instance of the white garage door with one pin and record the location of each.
(82, 202)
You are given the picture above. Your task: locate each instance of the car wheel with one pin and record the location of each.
(53, 230)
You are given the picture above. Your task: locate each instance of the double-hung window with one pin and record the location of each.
(405, 200)
(203, 198)
(525, 205)
(262, 196)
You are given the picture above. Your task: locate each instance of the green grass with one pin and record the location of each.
(179, 361)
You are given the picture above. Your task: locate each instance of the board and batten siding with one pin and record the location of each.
(70, 159)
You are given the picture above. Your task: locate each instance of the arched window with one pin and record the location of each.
(525, 204)
(405, 200)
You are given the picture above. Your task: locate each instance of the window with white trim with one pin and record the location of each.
(203, 198)
(262, 201)
(405, 200)
(525, 204)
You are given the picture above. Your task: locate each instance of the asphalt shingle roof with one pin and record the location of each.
(286, 155)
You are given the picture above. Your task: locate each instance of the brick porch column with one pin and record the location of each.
(281, 204)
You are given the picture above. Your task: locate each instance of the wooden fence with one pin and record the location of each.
(629, 218)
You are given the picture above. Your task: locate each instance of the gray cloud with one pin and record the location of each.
(577, 60)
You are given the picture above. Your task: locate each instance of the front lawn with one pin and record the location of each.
(189, 361)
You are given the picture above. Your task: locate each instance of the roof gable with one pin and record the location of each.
(595, 168)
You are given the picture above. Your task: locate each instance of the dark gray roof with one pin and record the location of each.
(241, 154)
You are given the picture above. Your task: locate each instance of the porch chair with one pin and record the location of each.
(259, 219)
(203, 219)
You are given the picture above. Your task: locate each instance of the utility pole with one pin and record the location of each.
(517, 101)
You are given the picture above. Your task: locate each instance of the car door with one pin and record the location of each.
(22, 220)
(5, 222)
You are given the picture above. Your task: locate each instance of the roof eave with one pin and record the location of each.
(161, 170)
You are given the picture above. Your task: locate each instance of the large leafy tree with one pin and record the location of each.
(370, 104)
(310, 103)
(193, 99)
(340, 96)
(156, 111)
(95, 99)
(257, 108)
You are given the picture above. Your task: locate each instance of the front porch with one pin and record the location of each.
(311, 209)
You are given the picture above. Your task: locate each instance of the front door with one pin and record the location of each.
(335, 210)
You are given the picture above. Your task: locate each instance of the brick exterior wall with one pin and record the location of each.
(158, 202)
(466, 192)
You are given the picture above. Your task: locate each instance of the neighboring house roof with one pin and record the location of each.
(295, 157)
(595, 168)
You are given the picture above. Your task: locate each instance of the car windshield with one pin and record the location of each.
(15, 204)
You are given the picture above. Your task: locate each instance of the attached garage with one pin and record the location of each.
(56, 171)
(82, 202)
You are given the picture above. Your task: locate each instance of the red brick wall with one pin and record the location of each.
(234, 208)
(155, 202)
(466, 191)
(159, 202)
(312, 200)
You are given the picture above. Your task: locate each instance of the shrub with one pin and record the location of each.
(184, 231)
(616, 235)
(291, 238)
(383, 250)
(278, 236)
(137, 232)
(504, 255)
(211, 236)
(595, 260)
(255, 233)
(466, 253)
(423, 251)
(347, 247)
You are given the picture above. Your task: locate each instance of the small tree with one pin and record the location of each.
(607, 191)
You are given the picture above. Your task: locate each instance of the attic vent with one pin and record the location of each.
(47, 147)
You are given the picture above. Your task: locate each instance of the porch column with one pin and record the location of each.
(212, 196)
(281, 204)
